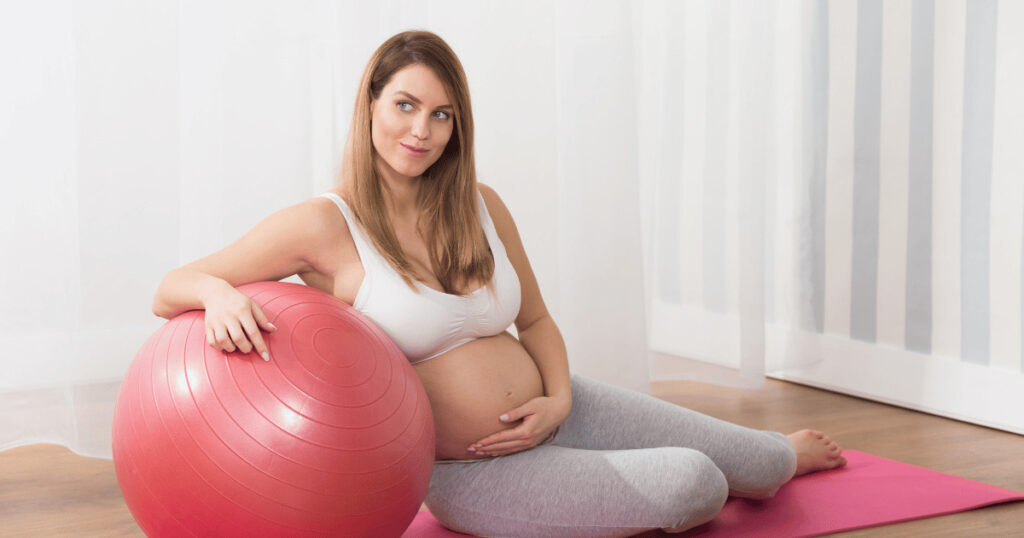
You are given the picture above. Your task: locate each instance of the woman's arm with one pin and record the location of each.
(184, 289)
(543, 341)
(537, 330)
(283, 244)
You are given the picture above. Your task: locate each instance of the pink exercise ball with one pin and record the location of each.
(333, 437)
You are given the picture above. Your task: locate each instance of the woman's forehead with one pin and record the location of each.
(419, 81)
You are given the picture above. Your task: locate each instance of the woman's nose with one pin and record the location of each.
(421, 127)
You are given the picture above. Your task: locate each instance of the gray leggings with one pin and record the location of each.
(622, 463)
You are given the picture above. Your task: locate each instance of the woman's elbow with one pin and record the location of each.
(160, 306)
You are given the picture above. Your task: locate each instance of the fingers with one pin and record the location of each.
(233, 323)
(483, 443)
(253, 333)
(241, 335)
(261, 319)
(501, 449)
(238, 337)
(490, 440)
(220, 337)
(498, 445)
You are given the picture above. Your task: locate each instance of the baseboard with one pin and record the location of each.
(990, 396)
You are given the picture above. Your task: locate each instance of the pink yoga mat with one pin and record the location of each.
(867, 492)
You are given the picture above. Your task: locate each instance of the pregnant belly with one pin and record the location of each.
(472, 385)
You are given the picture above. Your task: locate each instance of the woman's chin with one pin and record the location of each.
(416, 174)
(411, 172)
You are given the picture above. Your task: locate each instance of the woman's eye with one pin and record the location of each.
(446, 115)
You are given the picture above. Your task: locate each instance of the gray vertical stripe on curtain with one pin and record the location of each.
(919, 204)
(815, 147)
(1022, 296)
(976, 177)
(668, 199)
(715, 170)
(866, 170)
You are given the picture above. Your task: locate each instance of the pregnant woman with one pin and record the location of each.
(413, 241)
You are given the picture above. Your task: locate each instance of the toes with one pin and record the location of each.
(834, 463)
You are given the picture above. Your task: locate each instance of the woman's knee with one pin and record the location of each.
(700, 491)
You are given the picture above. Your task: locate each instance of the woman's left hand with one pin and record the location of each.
(540, 415)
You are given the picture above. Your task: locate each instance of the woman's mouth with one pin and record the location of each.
(414, 151)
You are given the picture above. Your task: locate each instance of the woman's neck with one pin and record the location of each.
(400, 193)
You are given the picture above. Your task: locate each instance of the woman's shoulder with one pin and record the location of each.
(490, 196)
(327, 219)
(496, 208)
(323, 218)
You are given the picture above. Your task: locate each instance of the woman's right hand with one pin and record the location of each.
(234, 320)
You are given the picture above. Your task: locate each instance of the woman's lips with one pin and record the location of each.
(414, 152)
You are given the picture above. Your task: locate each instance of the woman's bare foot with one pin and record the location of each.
(815, 452)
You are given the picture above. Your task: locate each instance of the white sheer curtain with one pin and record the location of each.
(669, 166)
(835, 196)
(674, 129)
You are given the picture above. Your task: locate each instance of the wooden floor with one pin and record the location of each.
(46, 490)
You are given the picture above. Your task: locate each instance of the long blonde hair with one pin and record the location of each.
(448, 193)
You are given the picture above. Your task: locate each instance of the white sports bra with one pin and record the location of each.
(429, 323)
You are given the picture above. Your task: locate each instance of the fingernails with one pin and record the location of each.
(503, 417)
(266, 356)
(471, 449)
(272, 326)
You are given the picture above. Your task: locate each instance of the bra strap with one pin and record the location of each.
(365, 247)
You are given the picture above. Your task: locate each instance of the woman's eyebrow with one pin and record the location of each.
(418, 102)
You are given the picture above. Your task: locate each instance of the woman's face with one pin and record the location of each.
(413, 112)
